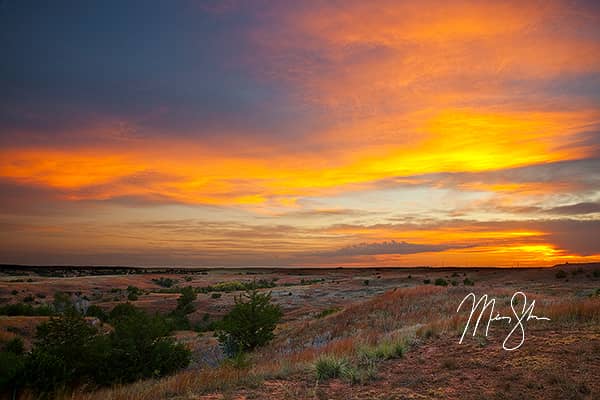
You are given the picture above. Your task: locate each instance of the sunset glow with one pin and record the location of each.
(301, 134)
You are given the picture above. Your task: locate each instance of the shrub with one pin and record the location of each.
(329, 367)
(95, 311)
(184, 307)
(366, 282)
(140, 348)
(133, 293)
(164, 282)
(560, 274)
(11, 370)
(68, 351)
(122, 310)
(25, 309)
(215, 295)
(468, 282)
(64, 353)
(427, 281)
(441, 282)
(249, 324)
(184, 302)
(14, 292)
(14, 345)
(234, 286)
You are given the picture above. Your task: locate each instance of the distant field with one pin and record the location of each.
(343, 313)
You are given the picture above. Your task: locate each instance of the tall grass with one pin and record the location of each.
(361, 337)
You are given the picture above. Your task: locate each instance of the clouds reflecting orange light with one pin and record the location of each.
(424, 123)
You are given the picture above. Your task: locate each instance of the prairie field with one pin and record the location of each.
(350, 333)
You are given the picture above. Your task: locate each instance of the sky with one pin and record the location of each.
(299, 133)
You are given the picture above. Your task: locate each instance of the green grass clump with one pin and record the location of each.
(385, 350)
(329, 367)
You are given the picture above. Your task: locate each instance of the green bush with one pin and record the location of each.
(235, 286)
(14, 345)
(427, 281)
(68, 351)
(560, 274)
(133, 293)
(28, 299)
(249, 324)
(441, 282)
(215, 296)
(12, 368)
(184, 307)
(25, 309)
(95, 311)
(164, 282)
(64, 353)
(140, 348)
(122, 310)
(468, 282)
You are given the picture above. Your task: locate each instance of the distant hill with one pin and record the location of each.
(586, 266)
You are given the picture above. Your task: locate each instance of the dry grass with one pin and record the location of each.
(582, 311)
(405, 315)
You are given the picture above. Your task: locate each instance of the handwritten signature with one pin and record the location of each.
(525, 314)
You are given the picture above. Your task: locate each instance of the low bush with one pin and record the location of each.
(25, 310)
(164, 282)
(179, 316)
(441, 282)
(235, 286)
(133, 293)
(560, 274)
(95, 311)
(69, 351)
